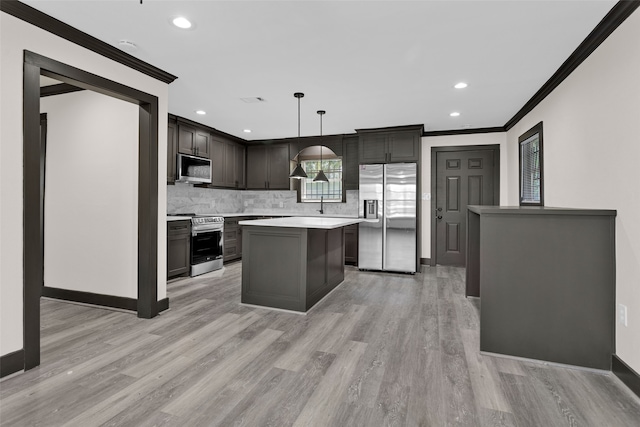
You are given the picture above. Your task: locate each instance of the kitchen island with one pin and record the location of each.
(292, 263)
(546, 281)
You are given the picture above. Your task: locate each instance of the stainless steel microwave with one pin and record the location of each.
(193, 169)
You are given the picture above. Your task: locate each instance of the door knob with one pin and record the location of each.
(439, 217)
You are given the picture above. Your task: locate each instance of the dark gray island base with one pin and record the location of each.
(546, 282)
(292, 263)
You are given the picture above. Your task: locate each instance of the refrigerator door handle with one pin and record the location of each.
(383, 214)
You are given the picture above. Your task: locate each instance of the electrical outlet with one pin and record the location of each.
(281, 204)
(622, 314)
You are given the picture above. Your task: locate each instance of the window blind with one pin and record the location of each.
(530, 169)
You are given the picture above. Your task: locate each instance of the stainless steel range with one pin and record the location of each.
(207, 246)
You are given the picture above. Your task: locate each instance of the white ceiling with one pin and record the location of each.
(367, 63)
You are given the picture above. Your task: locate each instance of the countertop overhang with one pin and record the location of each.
(177, 218)
(283, 213)
(538, 210)
(327, 223)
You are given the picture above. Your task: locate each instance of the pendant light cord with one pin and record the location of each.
(298, 122)
(320, 139)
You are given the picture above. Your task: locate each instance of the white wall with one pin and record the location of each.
(91, 194)
(447, 141)
(591, 126)
(15, 36)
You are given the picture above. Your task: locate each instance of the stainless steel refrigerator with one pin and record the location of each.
(388, 202)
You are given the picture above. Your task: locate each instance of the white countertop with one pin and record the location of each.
(281, 213)
(303, 222)
(177, 218)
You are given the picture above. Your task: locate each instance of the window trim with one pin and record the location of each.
(537, 129)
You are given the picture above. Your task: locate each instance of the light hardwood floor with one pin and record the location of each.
(381, 350)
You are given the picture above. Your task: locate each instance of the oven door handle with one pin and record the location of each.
(206, 230)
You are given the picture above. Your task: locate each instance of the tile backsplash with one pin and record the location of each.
(257, 202)
(185, 198)
(189, 199)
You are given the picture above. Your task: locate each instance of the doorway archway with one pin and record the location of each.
(33, 187)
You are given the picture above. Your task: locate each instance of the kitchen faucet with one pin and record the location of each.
(321, 205)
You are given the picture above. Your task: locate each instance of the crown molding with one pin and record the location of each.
(67, 32)
(616, 16)
(464, 131)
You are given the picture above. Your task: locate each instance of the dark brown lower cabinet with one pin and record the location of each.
(351, 244)
(178, 248)
(546, 281)
(290, 268)
(232, 239)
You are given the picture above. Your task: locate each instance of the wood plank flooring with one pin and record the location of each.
(381, 350)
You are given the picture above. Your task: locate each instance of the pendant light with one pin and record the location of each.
(298, 172)
(321, 176)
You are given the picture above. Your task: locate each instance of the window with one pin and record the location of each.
(329, 191)
(531, 167)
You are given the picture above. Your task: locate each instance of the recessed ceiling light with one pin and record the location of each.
(247, 131)
(201, 112)
(454, 114)
(181, 22)
(461, 85)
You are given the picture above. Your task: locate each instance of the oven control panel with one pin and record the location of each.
(207, 220)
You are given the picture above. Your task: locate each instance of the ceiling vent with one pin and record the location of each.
(127, 46)
(253, 100)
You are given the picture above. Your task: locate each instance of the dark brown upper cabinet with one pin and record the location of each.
(172, 135)
(241, 161)
(268, 167)
(217, 162)
(227, 163)
(227, 153)
(350, 166)
(193, 141)
(390, 146)
(203, 139)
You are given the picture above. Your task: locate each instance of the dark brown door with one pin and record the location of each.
(462, 178)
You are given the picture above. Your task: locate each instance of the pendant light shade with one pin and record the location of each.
(321, 176)
(298, 172)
